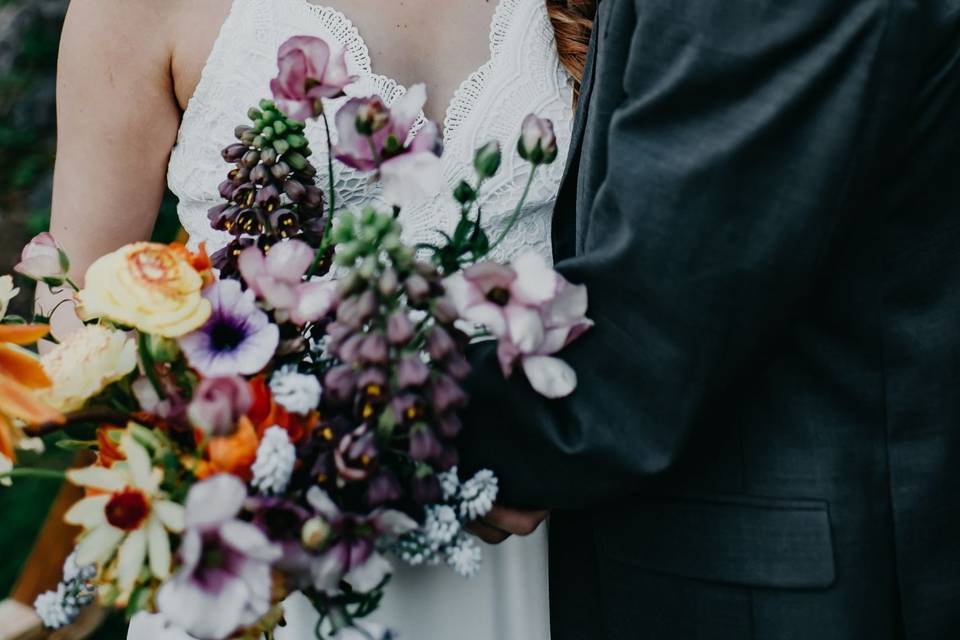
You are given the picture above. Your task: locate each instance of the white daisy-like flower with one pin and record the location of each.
(276, 457)
(130, 518)
(465, 556)
(477, 495)
(296, 392)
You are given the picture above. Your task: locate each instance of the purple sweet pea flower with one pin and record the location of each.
(224, 582)
(237, 339)
(409, 164)
(277, 279)
(310, 70)
(218, 404)
(43, 259)
(532, 310)
(276, 276)
(351, 553)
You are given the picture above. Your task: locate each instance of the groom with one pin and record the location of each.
(764, 201)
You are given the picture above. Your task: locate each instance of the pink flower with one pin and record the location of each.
(373, 137)
(351, 553)
(225, 564)
(43, 259)
(277, 279)
(310, 70)
(219, 403)
(538, 142)
(532, 310)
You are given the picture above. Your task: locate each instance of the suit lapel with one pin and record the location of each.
(586, 90)
(564, 217)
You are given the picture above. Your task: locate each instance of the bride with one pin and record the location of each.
(149, 92)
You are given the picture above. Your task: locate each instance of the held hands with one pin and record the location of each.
(503, 522)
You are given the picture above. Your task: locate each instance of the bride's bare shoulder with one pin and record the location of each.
(122, 36)
(171, 38)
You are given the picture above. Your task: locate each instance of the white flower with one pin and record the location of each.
(6, 466)
(441, 525)
(130, 514)
(295, 392)
(154, 626)
(449, 483)
(7, 293)
(62, 607)
(465, 557)
(477, 495)
(273, 467)
(85, 363)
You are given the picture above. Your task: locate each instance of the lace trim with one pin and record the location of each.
(467, 95)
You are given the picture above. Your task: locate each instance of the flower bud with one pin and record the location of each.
(43, 259)
(399, 329)
(412, 372)
(487, 159)
(440, 344)
(538, 142)
(260, 175)
(464, 193)
(374, 349)
(447, 394)
(426, 490)
(315, 533)
(339, 384)
(388, 282)
(250, 159)
(445, 311)
(294, 190)
(424, 444)
(280, 170)
(269, 156)
(383, 488)
(234, 152)
(418, 290)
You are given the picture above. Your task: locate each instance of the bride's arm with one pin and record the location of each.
(117, 120)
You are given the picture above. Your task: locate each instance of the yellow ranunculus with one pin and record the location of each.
(84, 364)
(148, 286)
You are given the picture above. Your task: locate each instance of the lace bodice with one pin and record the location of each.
(523, 75)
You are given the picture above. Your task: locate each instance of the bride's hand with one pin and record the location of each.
(503, 522)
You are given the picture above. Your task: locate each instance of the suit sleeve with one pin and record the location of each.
(731, 168)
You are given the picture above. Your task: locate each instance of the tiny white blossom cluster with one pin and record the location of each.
(273, 466)
(296, 392)
(443, 537)
(61, 607)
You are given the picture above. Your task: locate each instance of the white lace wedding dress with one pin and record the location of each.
(508, 600)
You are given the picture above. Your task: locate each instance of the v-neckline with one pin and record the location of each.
(461, 103)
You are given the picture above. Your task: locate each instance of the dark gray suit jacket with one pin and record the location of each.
(764, 200)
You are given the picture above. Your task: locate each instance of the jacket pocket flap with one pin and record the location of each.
(739, 540)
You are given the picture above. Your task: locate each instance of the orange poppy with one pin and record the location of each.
(231, 454)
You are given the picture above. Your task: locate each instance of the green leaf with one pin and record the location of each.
(76, 445)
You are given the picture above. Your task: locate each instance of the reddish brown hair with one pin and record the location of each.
(572, 22)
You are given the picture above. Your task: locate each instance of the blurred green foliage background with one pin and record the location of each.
(29, 38)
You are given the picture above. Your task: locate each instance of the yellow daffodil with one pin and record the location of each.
(151, 287)
(127, 516)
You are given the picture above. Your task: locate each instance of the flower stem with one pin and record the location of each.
(516, 212)
(149, 367)
(46, 474)
(331, 199)
(71, 283)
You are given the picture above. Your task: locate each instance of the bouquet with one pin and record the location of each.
(282, 415)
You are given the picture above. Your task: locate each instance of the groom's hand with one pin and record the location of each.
(503, 522)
